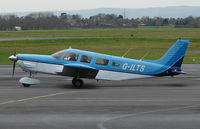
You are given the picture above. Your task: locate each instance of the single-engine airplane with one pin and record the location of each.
(84, 64)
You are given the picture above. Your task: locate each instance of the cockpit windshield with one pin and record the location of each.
(59, 54)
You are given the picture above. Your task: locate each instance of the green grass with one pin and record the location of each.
(155, 41)
(144, 32)
(156, 26)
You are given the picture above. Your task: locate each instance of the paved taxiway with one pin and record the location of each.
(157, 103)
(48, 38)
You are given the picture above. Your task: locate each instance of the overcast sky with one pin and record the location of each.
(59, 5)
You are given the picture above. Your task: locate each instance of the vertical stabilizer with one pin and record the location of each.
(174, 56)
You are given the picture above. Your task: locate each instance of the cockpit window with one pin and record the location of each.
(71, 56)
(58, 54)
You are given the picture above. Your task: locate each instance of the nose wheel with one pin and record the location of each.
(27, 81)
(26, 85)
(78, 83)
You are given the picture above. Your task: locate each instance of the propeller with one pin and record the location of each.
(13, 72)
(14, 59)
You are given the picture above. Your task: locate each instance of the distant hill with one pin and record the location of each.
(167, 12)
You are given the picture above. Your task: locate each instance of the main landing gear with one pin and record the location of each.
(78, 83)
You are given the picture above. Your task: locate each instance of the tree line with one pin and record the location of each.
(36, 21)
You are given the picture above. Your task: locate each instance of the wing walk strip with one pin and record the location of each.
(38, 97)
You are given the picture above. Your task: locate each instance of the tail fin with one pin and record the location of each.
(174, 56)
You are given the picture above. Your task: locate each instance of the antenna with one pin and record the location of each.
(126, 52)
(124, 13)
(144, 55)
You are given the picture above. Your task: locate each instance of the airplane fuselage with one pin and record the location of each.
(84, 64)
(125, 68)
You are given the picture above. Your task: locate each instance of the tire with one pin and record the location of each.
(26, 85)
(78, 83)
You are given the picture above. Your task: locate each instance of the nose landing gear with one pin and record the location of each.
(78, 83)
(28, 81)
(26, 85)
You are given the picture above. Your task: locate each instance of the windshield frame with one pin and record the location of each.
(59, 54)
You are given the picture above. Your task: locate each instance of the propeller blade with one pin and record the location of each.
(14, 59)
(13, 72)
(15, 51)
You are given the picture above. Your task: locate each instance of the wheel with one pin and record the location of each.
(78, 83)
(26, 85)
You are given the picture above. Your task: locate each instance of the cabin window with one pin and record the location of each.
(86, 59)
(115, 64)
(71, 56)
(102, 61)
(58, 54)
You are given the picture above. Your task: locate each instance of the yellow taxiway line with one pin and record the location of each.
(38, 97)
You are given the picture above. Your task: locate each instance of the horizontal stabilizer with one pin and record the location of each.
(178, 72)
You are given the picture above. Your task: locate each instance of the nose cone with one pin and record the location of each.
(13, 58)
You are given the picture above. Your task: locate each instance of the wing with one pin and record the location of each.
(79, 70)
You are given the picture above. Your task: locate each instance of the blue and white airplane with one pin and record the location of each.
(83, 64)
